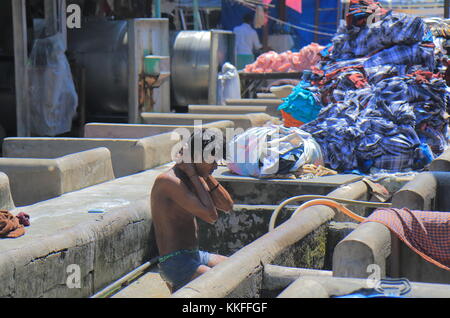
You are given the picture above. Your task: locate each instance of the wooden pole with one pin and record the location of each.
(446, 9)
(20, 63)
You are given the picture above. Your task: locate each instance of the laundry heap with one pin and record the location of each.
(383, 101)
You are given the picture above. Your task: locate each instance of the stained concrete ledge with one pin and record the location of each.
(129, 156)
(102, 246)
(35, 180)
(326, 287)
(241, 274)
(6, 201)
(220, 109)
(133, 131)
(255, 102)
(240, 121)
(441, 163)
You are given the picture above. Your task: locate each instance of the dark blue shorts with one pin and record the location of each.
(178, 269)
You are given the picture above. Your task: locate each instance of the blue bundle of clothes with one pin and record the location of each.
(383, 104)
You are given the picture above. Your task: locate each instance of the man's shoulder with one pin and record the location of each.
(167, 178)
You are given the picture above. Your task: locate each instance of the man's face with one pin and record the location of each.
(205, 169)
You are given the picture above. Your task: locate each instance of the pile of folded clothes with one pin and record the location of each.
(382, 95)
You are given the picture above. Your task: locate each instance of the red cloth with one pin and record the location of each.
(13, 226)
(426, 233)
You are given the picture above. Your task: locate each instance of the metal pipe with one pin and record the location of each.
(125, 280)
(197, 20)
(20, 60)
(157, 13)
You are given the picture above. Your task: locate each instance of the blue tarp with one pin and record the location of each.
(232, 14)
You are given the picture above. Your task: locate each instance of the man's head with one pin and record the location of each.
(248, 18)
(206, 147)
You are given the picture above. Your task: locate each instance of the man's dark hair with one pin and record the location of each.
(207, 137)
(248, 18)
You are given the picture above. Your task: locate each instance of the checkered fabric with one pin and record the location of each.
(426, 233)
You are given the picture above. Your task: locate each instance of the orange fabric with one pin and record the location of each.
(10, 226)
(290, 121)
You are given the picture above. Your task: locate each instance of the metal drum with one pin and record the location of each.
(197, 57)
(101, 47)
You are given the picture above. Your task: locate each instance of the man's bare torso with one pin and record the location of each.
(175, 228)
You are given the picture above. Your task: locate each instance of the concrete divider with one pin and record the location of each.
(368, 244)
(6, 201)
(254, 102)
(374, 244)
(220, 109)
(129, 156)
(248, 190)
(35, 180)
(133, 131)
(241, 274)
(200, 109)
(277, 278)
(266, 96)
(67, 244)
(326, 287)
(240, 121)
(441, 163)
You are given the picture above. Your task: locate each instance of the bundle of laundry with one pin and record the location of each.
(272, 62)
(269, 151)
(383, 94)
(353, 41)
(399, 123)
(303, 104)
(13, 226)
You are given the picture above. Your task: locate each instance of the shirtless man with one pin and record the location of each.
(179, 196)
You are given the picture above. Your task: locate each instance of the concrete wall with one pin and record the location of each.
(35, 180)
(241, 275)
(220, 109)
(240, 121)
(248, 190)
(131, 131)
(6, 201)
(105, 246)
(129, 156)
(373, 243)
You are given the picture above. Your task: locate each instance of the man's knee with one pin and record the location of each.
(216, 259)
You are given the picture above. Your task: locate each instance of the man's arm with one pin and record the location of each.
(256, 43)
(200, 204)
(221, 198)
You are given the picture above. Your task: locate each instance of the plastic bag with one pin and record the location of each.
(53, 98)
(228, 84)
(267, 151)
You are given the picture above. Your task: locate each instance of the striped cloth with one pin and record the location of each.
(426, 233)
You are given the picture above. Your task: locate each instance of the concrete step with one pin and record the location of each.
(255, 102)
(129, 156)
(133, 131)
(35, 180)
(243, 121)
